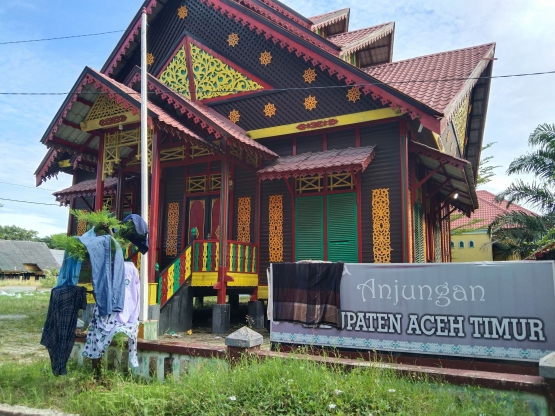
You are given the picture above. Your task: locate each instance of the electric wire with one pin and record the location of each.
(28, 202)
(26, 186)
(61, 37)
(301, 88)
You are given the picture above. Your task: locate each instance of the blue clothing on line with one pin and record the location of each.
(69, 273)
(108, 279)
(140, 239)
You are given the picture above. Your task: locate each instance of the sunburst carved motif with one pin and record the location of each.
(234, 116)
(265, 58)
(310, 102)
(270, 110)
(182, 12)
(309, 75)
(149, 59)
(233, 40)
(353, 94)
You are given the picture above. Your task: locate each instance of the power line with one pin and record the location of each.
(25, 186)
(303, 88)
(28, 202)
(62, 37)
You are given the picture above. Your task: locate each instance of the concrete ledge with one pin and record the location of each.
(6, 409)
(244, 338)
(547, 366)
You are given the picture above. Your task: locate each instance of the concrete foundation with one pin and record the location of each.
(256, 314)
(221, 315)
(177, 314)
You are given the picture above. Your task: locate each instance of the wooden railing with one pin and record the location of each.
(174, 276)
(241, 257)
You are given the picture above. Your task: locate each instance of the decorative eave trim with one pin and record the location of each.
(368, 40)
(331, 21)
(332, 66)
(128, 38)
(41, 174)
(280, 10)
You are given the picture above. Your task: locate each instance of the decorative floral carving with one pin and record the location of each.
(149, 59)
(104, 107)
(309, 75)
(460, 120)
(233, 40)
(244, 220)
(270, 110)
(182, 12)
(265, 58)
(234, 116)
(175, 74)
(172, 226)
(310, 102)
(275, 243)
(213, 78)
(354, 94)
(81, 227)
(381, 226)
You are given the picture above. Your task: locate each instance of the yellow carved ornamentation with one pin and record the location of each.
(149, 59)
(197, 151)
(105, 107)
(196, 184)
(235, 151)
(309, 184)
(310, 102)
(174, 153)
(182, 12)
(340, 181)
(460, 120)
(234, 116)
(213, 78)
(81, 227)
(309, 75)
(233, 40)
(276, 228)
(175, 74)
(114, 142)
(244, 220)
(171, 278)
(215, 182)
(353, 94)
(172, 227)
(270, 110)
(381, 226)
(265, 58)
(252, 159)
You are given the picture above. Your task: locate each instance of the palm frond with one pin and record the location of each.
(543, 136)
(539, 196)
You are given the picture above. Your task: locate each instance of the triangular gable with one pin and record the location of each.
(199, 73)
(339, 19)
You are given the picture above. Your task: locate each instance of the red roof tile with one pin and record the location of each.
(85, 188)
(329, 18)
(488, 210)
(329, 161)
(442, 96)
(361, 36)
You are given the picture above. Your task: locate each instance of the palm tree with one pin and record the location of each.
(518, 232)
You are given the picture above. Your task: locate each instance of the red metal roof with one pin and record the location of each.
(329, 161)
(429, 72)
(488, 210)
(329, 18)
(373, 33)
(85, 188)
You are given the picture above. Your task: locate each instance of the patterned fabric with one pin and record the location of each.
(103, 328)
(306, 293)
(58, 334)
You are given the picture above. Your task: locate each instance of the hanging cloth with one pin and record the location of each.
(107, 276)
(58, 334)
(140, 236)
(69, 273)
(103, 328)
(307, 293)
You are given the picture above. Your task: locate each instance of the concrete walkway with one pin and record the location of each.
(6, 409)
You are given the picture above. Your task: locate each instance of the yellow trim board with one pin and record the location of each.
(153, 293)
(211, 278)
(103, 123)
(262, 292)
(324, 123)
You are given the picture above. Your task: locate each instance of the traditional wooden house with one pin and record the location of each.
(273, 137)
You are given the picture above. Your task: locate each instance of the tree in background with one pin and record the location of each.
(13, 232)
(55, 241)
(520, 233)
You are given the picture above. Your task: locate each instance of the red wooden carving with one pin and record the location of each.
(317, 124)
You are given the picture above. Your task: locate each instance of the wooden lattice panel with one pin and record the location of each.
(235, 151)
(197, 151)
(309, 184)
(104, 107)
(81, 227)
(175, 153)
(340, 181)
(252, 159)
(172, 227)
(196, 184)
(108, 202)
(175, 75)
(213, 78)
(244, 220)
(276, 229)
(113, 142)
(460, 121)
(215, 182)
(381, 230)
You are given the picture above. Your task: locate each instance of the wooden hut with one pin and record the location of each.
(273, 137)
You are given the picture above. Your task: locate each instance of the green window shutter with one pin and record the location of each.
(309, 224)
(419, 254)
(342, 228)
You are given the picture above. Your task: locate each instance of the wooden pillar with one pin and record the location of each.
(154, 200)
(120, 194)
(99, 196)
(71, 205)
(224, 228)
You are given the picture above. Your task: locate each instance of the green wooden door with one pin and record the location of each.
(342, 229)
(309, 228)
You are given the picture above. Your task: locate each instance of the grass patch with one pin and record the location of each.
(269, 386)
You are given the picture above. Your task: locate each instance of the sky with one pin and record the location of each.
(524, 31)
